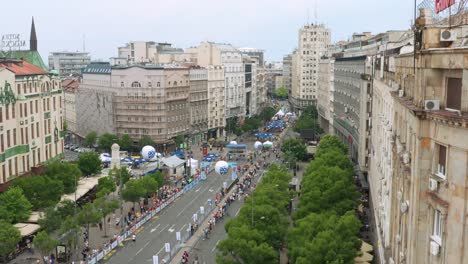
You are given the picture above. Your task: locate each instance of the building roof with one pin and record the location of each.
(98, 68)
(21, 67)
(32, 57)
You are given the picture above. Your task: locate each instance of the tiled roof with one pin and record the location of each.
(70, 84)
(30, 56)
(98, 68)
(22, 67)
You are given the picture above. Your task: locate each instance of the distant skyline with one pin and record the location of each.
(271, 25)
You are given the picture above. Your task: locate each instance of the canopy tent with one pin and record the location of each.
(178, 153)
(173, 161)
(263, 135)
(233, 142)
(366, 247)
(27, 229)
(280, 113)
(105, 157)
(84, 186)
(34, 217)
(364, 258)
(240, 146)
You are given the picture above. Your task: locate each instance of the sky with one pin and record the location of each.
(271, 25)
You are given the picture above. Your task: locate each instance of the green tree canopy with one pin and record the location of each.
(51, 221)
(44, 243)
(281, 92)
(90, 139)
(150, 185)
(133, 191)
(117, 174)
(106, 183)
(125, 142)
(14, 206)
(89, 163)
(41, 191)
(268, 113)
(328, 142)
(9, 237)
(67, 173)
(158, 177)
(106, 141)
(296, 146)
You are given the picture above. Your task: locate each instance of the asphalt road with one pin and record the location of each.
(174, 218)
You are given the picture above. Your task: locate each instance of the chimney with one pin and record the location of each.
(424, 19)
(33, 37)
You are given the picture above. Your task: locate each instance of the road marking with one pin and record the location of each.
(197, 190)
(214, 248)
(163, 228)
(193, 200)
(138, 252)
(154, 229)
(182, 227)
(172, 228)
(211, 190)
(139, 230)
(238, 210)
(160, 251)
(155, 217)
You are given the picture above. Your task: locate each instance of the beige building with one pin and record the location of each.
(70, 88)
(31, 122)
(135, 100)
(135, 52)
(198, 99)
(430, 151)
(325, 98)
(216, 102)
(313, 41)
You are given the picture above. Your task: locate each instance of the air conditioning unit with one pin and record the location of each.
(404, 206)
(401, 93)
(435, 248)
(431, 105)
(433, 185)
(448, 35)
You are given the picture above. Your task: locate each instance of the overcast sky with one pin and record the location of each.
(271, 25)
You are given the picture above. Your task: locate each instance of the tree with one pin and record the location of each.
(281, 92)
(178, 140)
(106, 183)
(41, 191)
(125, 142)
(90, 139)
(70, 228)
(117, 174)
(67, 173)
(106, 207)
(150, 185)
(9, 237)
(158, 177)
(106, 141)
(44, 243)
(295, 146)
(14, 206)
(89, 163)
(328, 142)
(51, 221)
(133, 191)
(146, 141)
(268, 113)
(89, 214)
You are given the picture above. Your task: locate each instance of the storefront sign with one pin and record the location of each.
(441, 5)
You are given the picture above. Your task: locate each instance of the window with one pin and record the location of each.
(437, 232)
(454, 93)
(150, 85)
(158, 84)
(1, 115)
(7, 112)
(8, 138)
(136, 85)
(122, 84)
(441, 160)
(32, 130)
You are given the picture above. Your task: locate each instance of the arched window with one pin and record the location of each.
(158, 84)
(136, 85)
(175, 83)
(122, 84)
(150, 85)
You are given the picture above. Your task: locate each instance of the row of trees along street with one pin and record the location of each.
(65, 219)
(308, 120)
(325, 226)
(105, 141)
(257, 234)
(250, 123)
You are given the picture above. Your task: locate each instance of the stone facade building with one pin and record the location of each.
(198, 104)
(216, 102)
(325, 90)
(31, 121)
(430, 151)
(287, 71)
(135, 100)
(70, 88)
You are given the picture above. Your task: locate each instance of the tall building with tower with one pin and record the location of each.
(313, 43)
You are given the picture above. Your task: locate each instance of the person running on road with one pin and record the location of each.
(134, 237)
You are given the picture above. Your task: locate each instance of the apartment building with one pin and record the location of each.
(31, 122)
(198, 99)
(135, 52)
(68, 63)
(313, 41)
(216, 101)
(70, 88)
(325, 90)
(287, 70)
(138, 100)
(430, 152)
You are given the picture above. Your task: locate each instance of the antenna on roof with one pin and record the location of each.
(315, 13)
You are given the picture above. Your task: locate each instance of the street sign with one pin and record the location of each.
(167, 247)
(155, 260)
(177, 234)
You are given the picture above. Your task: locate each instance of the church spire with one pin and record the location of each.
(33, 37)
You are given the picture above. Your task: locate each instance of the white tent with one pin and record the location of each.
(193, 165)
(280, 113)
(172, 162)
(84, 186)
(27, 229)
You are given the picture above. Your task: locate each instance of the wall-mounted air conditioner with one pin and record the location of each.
(401, 93)
(431, 105)
(404, 206)
(448, 35)
(433, 185)
(435, 248)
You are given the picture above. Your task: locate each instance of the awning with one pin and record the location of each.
(172, 162)
(364, 258)
(366, 247)
(27, 229)
(84, 186)
(35, 216)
